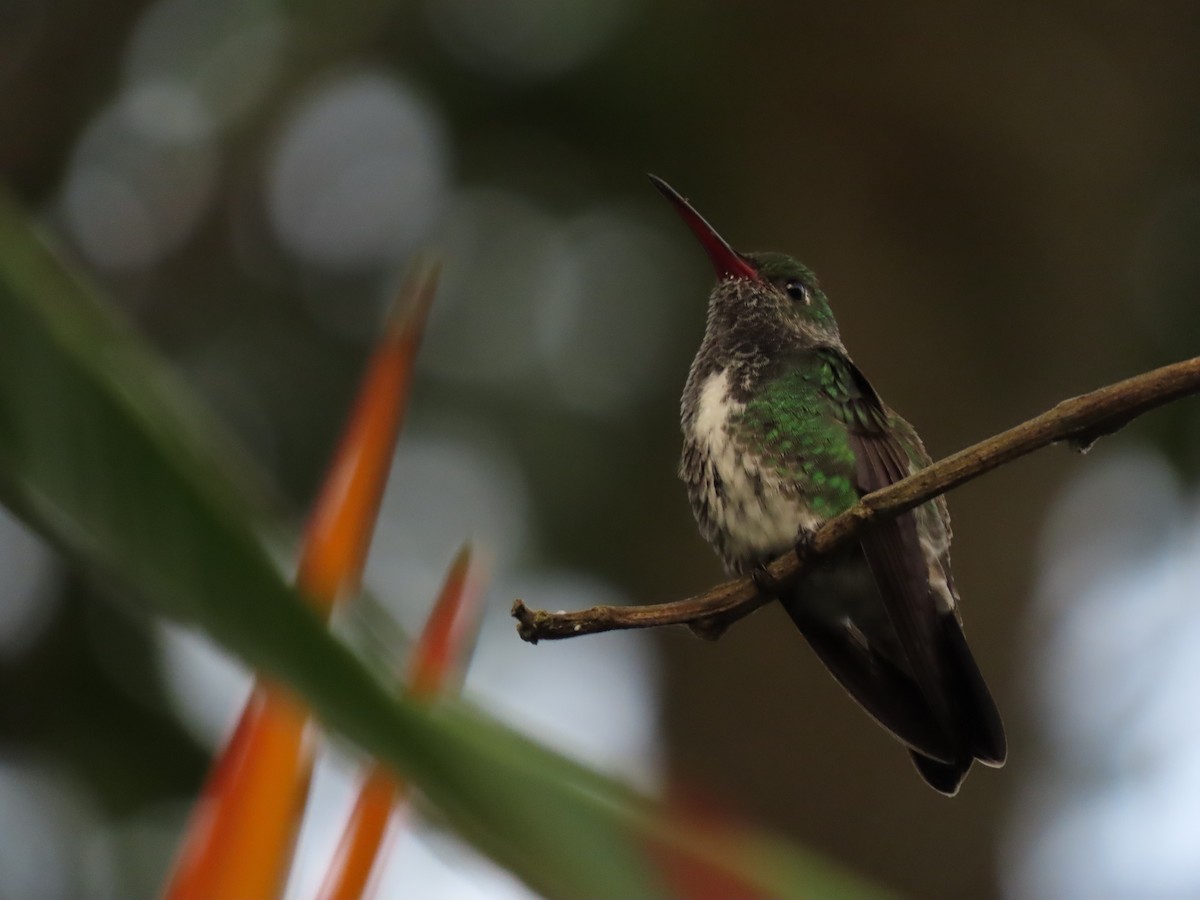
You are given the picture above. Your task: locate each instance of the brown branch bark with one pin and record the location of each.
(1078, 421)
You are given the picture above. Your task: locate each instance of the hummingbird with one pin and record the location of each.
(782, 431)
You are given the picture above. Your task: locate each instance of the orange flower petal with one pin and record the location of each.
(448, 632)
(241, 836)
(343, 518)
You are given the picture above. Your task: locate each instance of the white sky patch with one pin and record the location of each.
(1110, 810)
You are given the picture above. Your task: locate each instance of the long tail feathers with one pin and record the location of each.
(942, 750)
(945, 778)
(972, 700)
(977, 720)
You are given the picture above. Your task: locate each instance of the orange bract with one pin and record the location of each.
(343, 518)
(240, 838)
(447, 631)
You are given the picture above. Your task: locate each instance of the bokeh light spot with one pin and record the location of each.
(358, 174)
(525, 38)
(228, 51)
(602, 341)
(141, 176)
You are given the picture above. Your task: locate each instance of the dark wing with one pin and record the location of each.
(926, 626)
(851, 634)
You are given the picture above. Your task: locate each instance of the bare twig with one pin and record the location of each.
(1079, 421)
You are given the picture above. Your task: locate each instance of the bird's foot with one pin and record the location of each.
(803, 548)
(766, 583)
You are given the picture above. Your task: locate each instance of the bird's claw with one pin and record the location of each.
(803, 546)
(765, 582)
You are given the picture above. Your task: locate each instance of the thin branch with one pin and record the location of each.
(1079, 421)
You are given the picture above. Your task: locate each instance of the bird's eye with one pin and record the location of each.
(798, 291)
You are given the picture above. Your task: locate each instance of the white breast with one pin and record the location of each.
(744, 509)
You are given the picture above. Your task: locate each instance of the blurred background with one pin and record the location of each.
(1003, 203)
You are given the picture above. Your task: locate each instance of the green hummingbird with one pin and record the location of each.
(781, 432)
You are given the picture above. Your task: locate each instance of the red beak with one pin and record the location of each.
(727, 261)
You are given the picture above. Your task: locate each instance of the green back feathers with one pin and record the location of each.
(795, 426)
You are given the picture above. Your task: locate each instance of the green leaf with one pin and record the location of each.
(105, 455)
